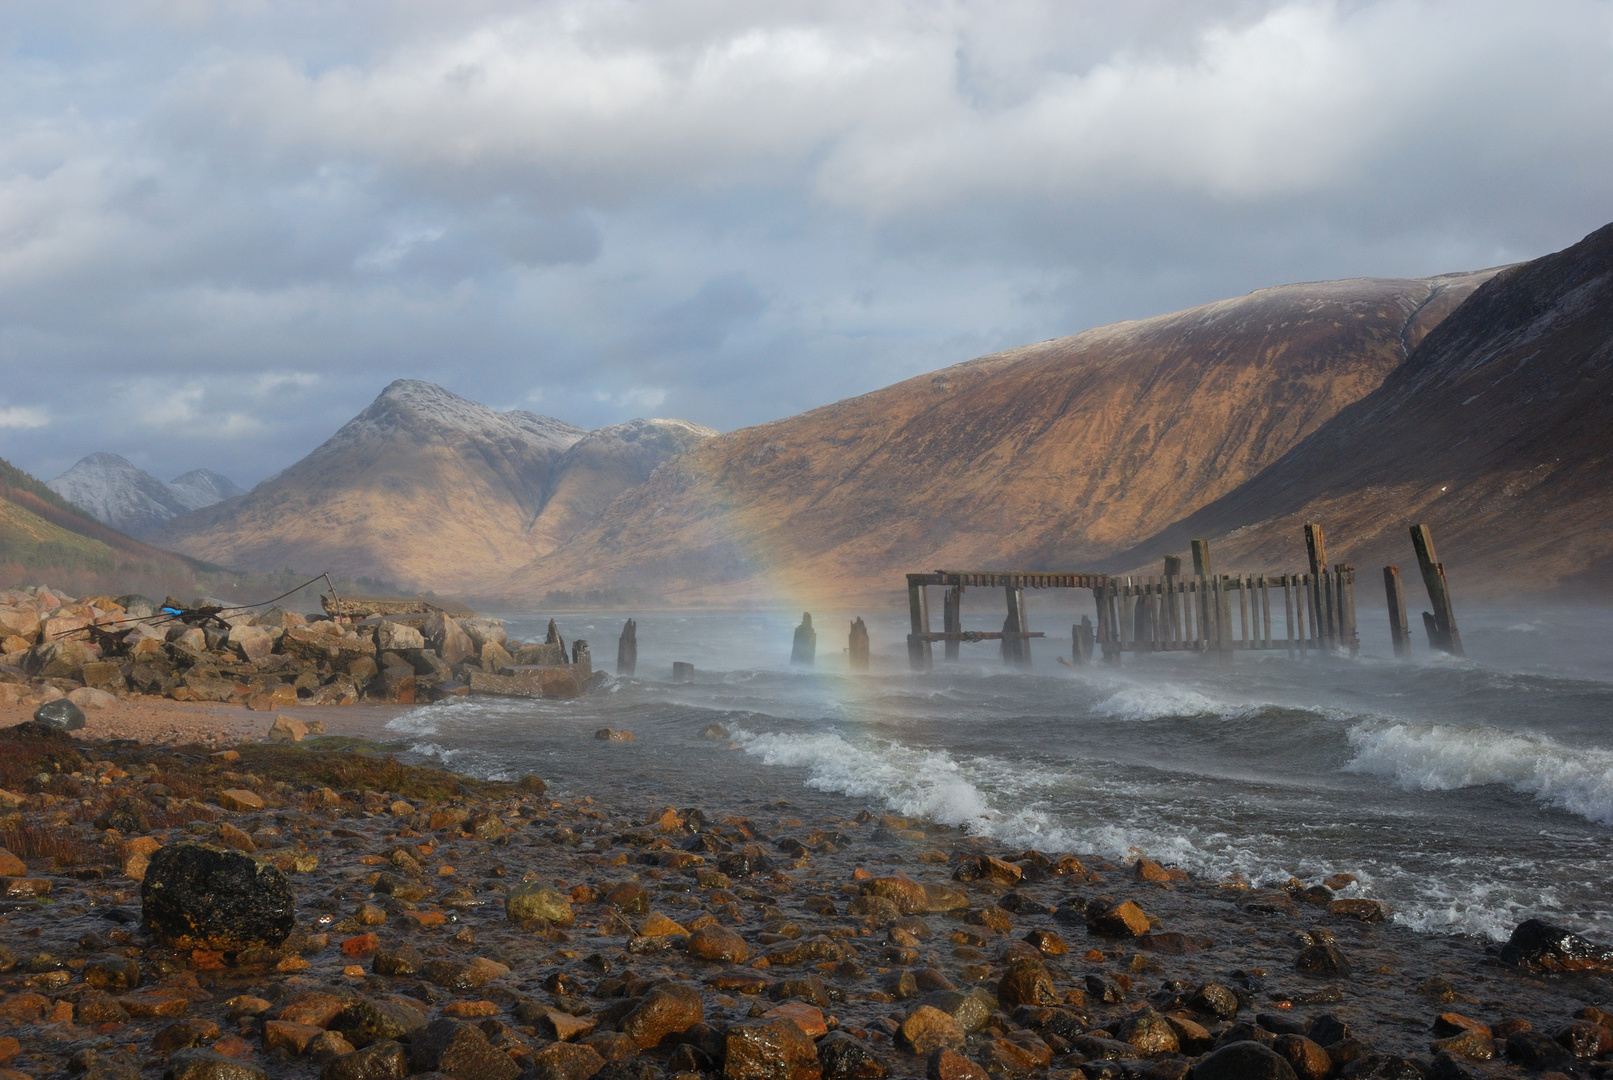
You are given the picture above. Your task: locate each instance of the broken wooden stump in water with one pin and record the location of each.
(580, 653)
(857, 647)
(805, 648)
(1445, 637)
(1395, 593)
(1081, 642)
(627, 649)
(682, 672)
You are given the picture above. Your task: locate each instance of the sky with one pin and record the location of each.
(226, 226)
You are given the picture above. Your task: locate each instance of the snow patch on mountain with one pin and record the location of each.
(116, 492)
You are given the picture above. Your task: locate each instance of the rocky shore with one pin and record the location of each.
(319, 909)
(96, 651)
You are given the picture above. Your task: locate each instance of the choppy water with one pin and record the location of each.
(1468, 793)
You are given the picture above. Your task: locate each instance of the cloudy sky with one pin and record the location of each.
(225, 226)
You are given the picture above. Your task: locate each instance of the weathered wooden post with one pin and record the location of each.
(1223, 617)
(1201, 558)
(1173, 606)
(1316, 548)
(1449, 638)
(805, 648)
(857, 647)
(682, 672)
(1289, 624)
(627, 649)
(1016, 650)
(952, 618)
(1395, 593)
(1081, 642)
(918, 610)
(1346, 595)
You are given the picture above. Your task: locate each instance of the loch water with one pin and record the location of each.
(1468, 793)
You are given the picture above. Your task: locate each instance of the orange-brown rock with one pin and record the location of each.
(947, 1064)
(763, 1049)
(1124, 919)
(666, 1010)
(716, 942)
(927, 1028)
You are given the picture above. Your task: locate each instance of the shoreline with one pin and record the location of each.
(866, 925)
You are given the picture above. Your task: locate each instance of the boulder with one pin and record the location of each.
(667, 1010)
(397, 637)
(927, 1028)
(451, 1046)
(373, 1020)
(1125, 919)
(969, 1010)
(1027, 982)
(717, 942)
(945, 1064)
(1149, 1032)
(482, 630)
(383, 1060)
(90, 697)
(286, 730)
(842, 1056)
(60, 715)
(1308, 1060)
(495, 657)
(207, 1065)
(535, 900)
(252, 642)
(1538, 1051)
(448, 639)
(1541, 947)
(566, 1061)
(1244, 1061)
(194, 896)
(773, 1049)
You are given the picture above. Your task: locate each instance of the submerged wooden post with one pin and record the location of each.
(1172, 612)
(1395, 593)
(918, 610)
(1016, 650)
(1081, 642)
(1288, 615)
(1223, 617)
(952, 618)
(627, 649)
(857, 645)
(805, 648)
(1439, 593)
(1346, 593)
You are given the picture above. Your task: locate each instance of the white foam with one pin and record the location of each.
(1438, 757)
(1158, 703)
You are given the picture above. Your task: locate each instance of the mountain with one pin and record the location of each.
(1497, 432)
(45, 538)
(427, 490)
(204, 487)
(120, 494)
(1057, 454)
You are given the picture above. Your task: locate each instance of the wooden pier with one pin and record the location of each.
(1204, 612)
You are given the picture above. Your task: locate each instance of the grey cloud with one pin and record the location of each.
(224, 227)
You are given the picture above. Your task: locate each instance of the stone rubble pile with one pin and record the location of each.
(52, 647)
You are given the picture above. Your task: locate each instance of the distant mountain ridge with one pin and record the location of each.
(1059, 454)
(118, 493)
(430, 490)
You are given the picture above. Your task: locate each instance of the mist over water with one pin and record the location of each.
(1469, 794)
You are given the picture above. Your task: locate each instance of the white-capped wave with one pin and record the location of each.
(1439, 757)
(1158, 703)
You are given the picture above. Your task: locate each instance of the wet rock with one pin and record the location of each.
(945, 1064)
(114, 973)
(1244, 1061)
(60, 715)
(1322, 960)
(198, 897)
(451, 1046)
(1308, 1059)
(1124, 919)
(404, 960)
(1535, 1050)
(1367, 911)
(1383, 1067)
(372, 1020)
(285, 1035)
(1149, 1032)
(1027, 982)
(769, 1050)
(1328, 1029)
(969, 1010)
(101, 1063)
(926, 1028)
(668, 1009)
(1584, 1039)
(1215, 1000)
(566, 1061)
(1473, 1045)
(1541, 947)
(1446, 1067)
(207, 1065)
(630, 1068)
(383, 1060)
(189, 1032)
(717, 942)
(842, 1056)
(535, 900)
(628, 897)
(328, 1045)
(1047, 943)
(313, 1009)
(286, 730)
(1268, 902)
(987, 868)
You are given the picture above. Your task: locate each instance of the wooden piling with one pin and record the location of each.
(1243, 613)
(804, 650)
(1302, 605)
(627, 649)
(1265, 613)
(1439, 593)
(857, 645)
(1020, 653)
(952, 618)
(918, 610)
(1288, 614)
(1201, 558)
(1348, 636)
(1395, 593)
(1223, 618)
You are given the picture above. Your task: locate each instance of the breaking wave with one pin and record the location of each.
(1438, 757)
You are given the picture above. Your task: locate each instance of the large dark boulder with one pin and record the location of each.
(60, 715)
(1538, 1051)
(1540, 946)
(199, 897)
(1244, 1061)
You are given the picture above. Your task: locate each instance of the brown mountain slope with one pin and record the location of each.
(1054, 454)
(43, 538)
(1497, 432)
(426, 490)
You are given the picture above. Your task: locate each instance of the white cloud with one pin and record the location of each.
(22, 416)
